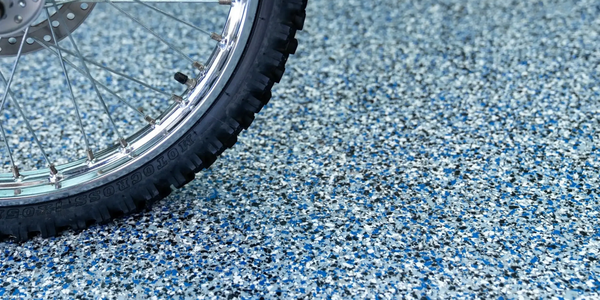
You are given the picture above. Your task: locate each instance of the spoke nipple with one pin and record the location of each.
(191, 83)
(90, 154)
(15, 171)
(149, 120)
(198, 66)
(123, 142)
(177, 99)
(184, 79)
(53, 170)
(225, 2)
(215, 36)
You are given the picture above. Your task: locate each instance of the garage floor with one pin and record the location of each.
(417, 148)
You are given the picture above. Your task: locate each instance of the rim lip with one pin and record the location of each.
(79, 176)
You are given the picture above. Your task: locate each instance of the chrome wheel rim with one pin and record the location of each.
(129, 153)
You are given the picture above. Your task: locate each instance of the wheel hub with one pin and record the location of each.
(16, 15)
(24, 13)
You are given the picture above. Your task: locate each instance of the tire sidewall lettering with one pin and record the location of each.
(123, 184)
(162, 162)
(45, 209)
(108, 191)
(187, 142)
(172, 154)
(136, 178)
(94, 196)
(28, 212)
(148, 170)
(79, 201)
(12, 213)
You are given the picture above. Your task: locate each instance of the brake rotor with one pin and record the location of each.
(64, 21)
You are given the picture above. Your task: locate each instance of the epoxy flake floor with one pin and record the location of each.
(437, 149)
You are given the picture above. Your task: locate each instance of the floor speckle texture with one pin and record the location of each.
(437, 149)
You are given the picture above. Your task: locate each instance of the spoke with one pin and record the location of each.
(222, 2)
(111, 70)
(87, 71)
(110, 91)
(14, 68)
(211, 34)
(29, 128)
(73, 60)
(7, 84)
(62, 64)
(153, 33)
(13, 167)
